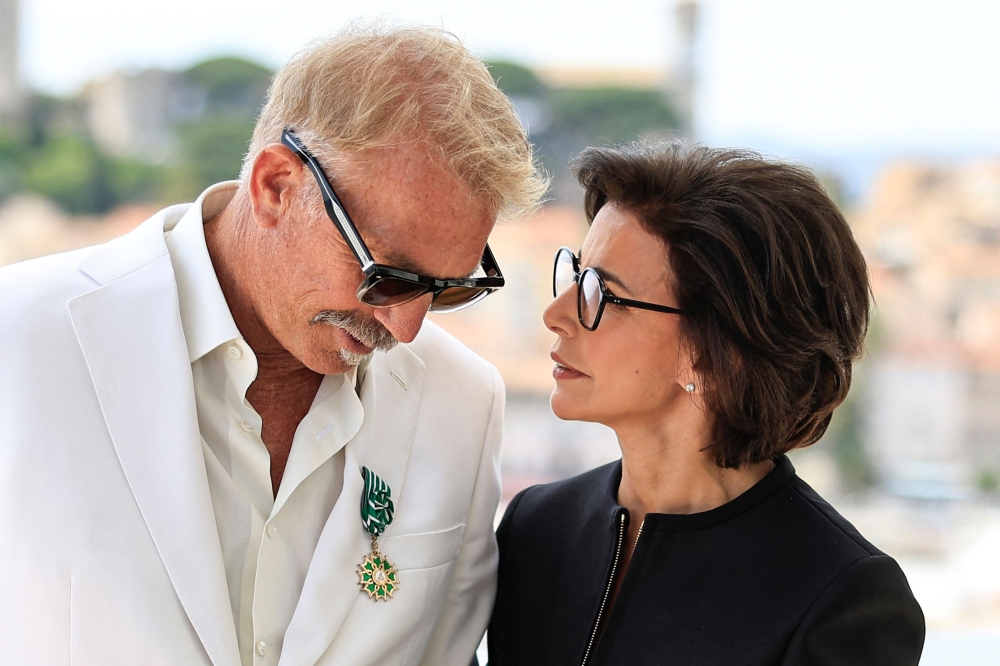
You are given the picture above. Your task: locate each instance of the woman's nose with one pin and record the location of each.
(560, 315)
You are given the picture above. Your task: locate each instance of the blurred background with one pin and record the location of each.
(109, 110)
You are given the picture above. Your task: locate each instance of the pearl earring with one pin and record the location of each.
(689, 388)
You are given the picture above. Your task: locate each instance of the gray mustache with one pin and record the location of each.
(367, 330)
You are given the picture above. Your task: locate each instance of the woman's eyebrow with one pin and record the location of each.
(608, 276)
(611, 277)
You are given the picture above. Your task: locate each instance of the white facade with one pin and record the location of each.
(129, 113)
(11, 90)
(918, 417)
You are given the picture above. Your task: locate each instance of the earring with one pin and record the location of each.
(689, 388)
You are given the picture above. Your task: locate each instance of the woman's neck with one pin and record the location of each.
(666, 469)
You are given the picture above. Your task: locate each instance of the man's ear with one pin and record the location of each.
(275, 178)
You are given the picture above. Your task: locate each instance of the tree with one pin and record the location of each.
(11, 158)
(564, 121)
(70, 171)
(231, 86)
(515, 80)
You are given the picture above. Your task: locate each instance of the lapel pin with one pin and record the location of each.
(378, 576)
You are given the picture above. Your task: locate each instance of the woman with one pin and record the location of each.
(711, 320)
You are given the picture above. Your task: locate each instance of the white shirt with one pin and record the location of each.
(267, 542)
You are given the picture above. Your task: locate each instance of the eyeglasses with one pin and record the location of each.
(592, 294)
(385, 286)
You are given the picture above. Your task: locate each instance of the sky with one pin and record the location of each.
(837, 81)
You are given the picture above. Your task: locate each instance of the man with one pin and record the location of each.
(191, 415)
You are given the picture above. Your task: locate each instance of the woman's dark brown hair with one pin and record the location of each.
(774, 287)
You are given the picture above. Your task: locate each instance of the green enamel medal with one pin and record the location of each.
(377, 575)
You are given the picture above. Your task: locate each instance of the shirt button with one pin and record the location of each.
(247, 426)
(261, 648)
(235, 352)
(271, 530)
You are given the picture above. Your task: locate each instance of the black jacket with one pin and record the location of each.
(774, 577)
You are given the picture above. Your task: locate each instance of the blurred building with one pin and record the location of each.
(932, 236)
(681, 89)
(12, 96)
(638, 78)
(129, 113)
(199, 119)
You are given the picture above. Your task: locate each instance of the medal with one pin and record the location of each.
(377, 575)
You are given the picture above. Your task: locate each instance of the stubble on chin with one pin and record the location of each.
(352, 359)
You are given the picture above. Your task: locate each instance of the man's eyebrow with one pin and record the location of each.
(399, 260)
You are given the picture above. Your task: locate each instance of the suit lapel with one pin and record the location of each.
(391, 393)
(130, 332)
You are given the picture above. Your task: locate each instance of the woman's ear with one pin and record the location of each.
(688, 375)
(703, 369)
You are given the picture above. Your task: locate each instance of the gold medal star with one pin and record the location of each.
(378, 576)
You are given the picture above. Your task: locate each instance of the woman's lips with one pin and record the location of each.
(564, 370)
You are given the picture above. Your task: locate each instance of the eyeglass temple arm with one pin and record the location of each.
(334, 209)
(627, 302)
(489, 262)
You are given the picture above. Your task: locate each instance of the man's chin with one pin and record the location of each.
(354, 359)
(327, 361)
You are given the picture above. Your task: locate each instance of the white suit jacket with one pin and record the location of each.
(109, 551)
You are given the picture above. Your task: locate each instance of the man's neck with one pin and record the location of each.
(284, 388)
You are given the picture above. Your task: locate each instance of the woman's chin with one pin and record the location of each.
(568, 407)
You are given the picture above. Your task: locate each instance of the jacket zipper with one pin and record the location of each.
(607, 589)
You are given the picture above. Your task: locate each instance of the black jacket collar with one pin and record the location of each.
(608, 506)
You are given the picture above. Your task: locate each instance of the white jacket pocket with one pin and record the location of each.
(423, 551)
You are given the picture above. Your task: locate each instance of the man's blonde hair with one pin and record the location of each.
(372, 86)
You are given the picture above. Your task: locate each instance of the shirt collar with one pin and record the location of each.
(205, 315)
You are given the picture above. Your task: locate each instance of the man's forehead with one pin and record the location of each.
(416, 172)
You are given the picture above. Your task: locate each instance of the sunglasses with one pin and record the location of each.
(592, 294)
(386, 286)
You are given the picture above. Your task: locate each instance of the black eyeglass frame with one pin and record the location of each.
(606, 295)
(374, 272)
